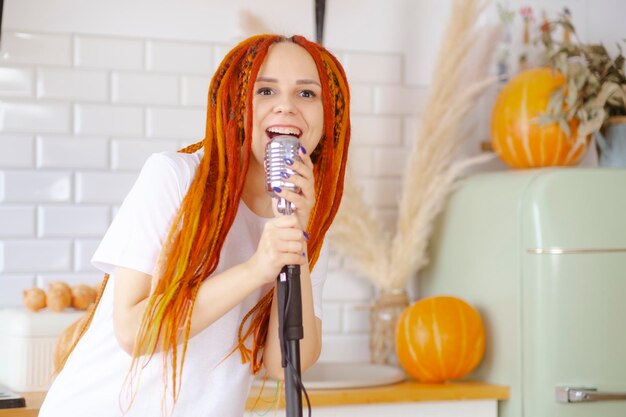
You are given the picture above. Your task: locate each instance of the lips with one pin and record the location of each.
(273, 131)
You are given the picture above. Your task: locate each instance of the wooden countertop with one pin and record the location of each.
(407, 391)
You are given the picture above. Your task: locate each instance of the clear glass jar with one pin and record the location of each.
(387, 308)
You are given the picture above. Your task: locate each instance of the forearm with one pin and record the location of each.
(310, 345)
(216, 296)
(222, 292)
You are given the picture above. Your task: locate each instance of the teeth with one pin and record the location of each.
(285, 130)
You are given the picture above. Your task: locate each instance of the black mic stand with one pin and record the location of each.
(290, 331)
(289, 297)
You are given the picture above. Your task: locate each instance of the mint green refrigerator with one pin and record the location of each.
(541, 254)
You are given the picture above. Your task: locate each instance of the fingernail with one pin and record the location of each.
(277, 189)
(303, 149)
(288, 161)
(284, 174)
(306, 235)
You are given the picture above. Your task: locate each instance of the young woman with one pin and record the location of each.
(187, 317)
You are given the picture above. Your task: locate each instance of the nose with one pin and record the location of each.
(285, 105)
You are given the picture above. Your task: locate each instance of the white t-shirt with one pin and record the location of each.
(92, 379)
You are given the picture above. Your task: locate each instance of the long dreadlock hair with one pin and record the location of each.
(191, 252)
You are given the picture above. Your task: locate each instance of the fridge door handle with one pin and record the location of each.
(581, 395)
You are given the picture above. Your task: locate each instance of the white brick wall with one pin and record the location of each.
(73, 84)
(81, 113)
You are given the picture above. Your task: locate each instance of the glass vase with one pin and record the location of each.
(388, 305)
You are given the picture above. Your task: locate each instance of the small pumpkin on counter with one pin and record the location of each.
(59, 296)
(439, 339)
(34, 299)
(83, 296)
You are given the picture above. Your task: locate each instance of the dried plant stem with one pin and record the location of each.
(431, 170)
(355, 219)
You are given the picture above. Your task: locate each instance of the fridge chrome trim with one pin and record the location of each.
(562, 251)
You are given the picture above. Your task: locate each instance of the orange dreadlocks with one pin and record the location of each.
(192, 249)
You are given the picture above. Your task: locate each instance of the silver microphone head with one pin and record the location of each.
(279, 149)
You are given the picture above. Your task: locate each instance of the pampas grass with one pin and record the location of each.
(432, 167)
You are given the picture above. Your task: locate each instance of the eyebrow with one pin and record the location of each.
(299, 82)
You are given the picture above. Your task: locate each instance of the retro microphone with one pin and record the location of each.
(277, 151)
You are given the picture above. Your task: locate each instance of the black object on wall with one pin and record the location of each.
(320, 11)
(1, 8)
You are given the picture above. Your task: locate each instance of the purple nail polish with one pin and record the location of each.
(306, 235)
(277, 189)
(302, 148)
(288, 161)
(284, 175)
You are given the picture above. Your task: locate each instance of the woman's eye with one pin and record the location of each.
(308, 94)
(264, 91)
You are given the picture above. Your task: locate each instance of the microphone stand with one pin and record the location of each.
(289, 297)
(290, 332)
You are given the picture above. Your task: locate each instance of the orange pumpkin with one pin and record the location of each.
(439, 339)
(518, 139)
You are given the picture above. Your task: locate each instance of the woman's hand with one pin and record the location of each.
(282, 243)
(305, 180)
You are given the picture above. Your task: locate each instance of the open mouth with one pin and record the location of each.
(283, 130)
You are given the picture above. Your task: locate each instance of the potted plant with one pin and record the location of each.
(594, 92)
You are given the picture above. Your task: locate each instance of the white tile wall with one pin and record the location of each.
(345, 286)
(361, 99)
(12, 287)
(332, 317)
(141, 88)
(130, 154)
(361, 159)
(102, 119)
(179, 57)
(71, 278)
(356, 317)
(373, 68)
(36, 48)
(83, 251)
(17, 116)
(376, 130)
(176, 123)
(35, 255)
(17, 82)
(345, 348)
(17, 221)
(81, 113)
(194, 90)
(106, 52)
(399, 100)
(35, 186)
(70, 152)
(72, 221)
(411, 128)
(219, 53)
(103, 187)
(381, 193)
(73, 84)
(389, 162)
(17, 151)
